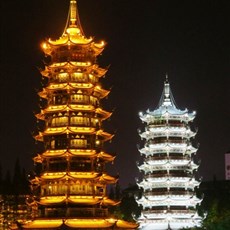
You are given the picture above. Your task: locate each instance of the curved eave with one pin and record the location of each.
(71, 107)
(69, 129)
(42, 224)
(108, 179)
(126, 224)
(164, 113)
(73, 130)
(94, 69)
(78, 223)
(88, 223)
(98, 48)
(76, 175)
(69, 64)
(64, 40)
(62, 108)
(105, 135)
(99, 72)
(72, 40)
(103, 113)
(73, 152)
(69, 175)
(106, 156)
(102, 92)
(66, 86)
(87, 200)
(168, 110)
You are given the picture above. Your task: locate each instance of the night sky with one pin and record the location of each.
(188, 40)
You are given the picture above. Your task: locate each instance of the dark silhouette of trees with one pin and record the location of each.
(14, 191)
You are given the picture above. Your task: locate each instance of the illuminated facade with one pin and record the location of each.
(71, 181)
(169, 200)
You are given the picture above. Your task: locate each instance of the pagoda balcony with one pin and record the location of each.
(63, 192)
(167, 125)
(165, 212)
(74, 146)
(167, 141)
(67, 56)
(73, 124)
(170, 174)
(159, 151)
(158, 158)
(164, 177)
(73, 212)
(169, 193)
(86, 101)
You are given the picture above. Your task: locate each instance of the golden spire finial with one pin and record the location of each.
(73, 25)
(73, 12)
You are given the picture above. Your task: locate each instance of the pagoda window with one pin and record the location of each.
(54, 189)
(57, 166)
(62, 77)
(95, 122)
(92, 78)
(58, 99)
(62, 188)
(59, 121)
(99, 166)
(99, 190)
(74, 189)
(158, 122)
(58, 142)
(78, 143)
(79, 77)
(80, 165)
(80, 189)
(94, 101)
(80, 120)
(89, 188)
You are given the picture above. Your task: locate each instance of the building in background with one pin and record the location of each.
(227, 166)
(70, 185)
(169, 199)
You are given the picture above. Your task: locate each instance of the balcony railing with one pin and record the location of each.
(165, 175)
(73, 212)
(164, 211)
(157, 158)
(170, 193)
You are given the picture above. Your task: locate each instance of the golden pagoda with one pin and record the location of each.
(71, 181)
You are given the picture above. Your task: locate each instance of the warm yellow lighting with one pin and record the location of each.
(46, 223)
(44, 45)
(97, 142)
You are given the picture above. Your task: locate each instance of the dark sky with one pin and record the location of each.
(188, 40)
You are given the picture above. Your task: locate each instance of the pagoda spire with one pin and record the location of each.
(73, 12)
(73, 24)
(167, 97)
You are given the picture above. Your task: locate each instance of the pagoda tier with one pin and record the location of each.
(70, 181)
(169, 199)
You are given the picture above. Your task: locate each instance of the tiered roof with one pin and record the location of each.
(72, 178)
(169, 200)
